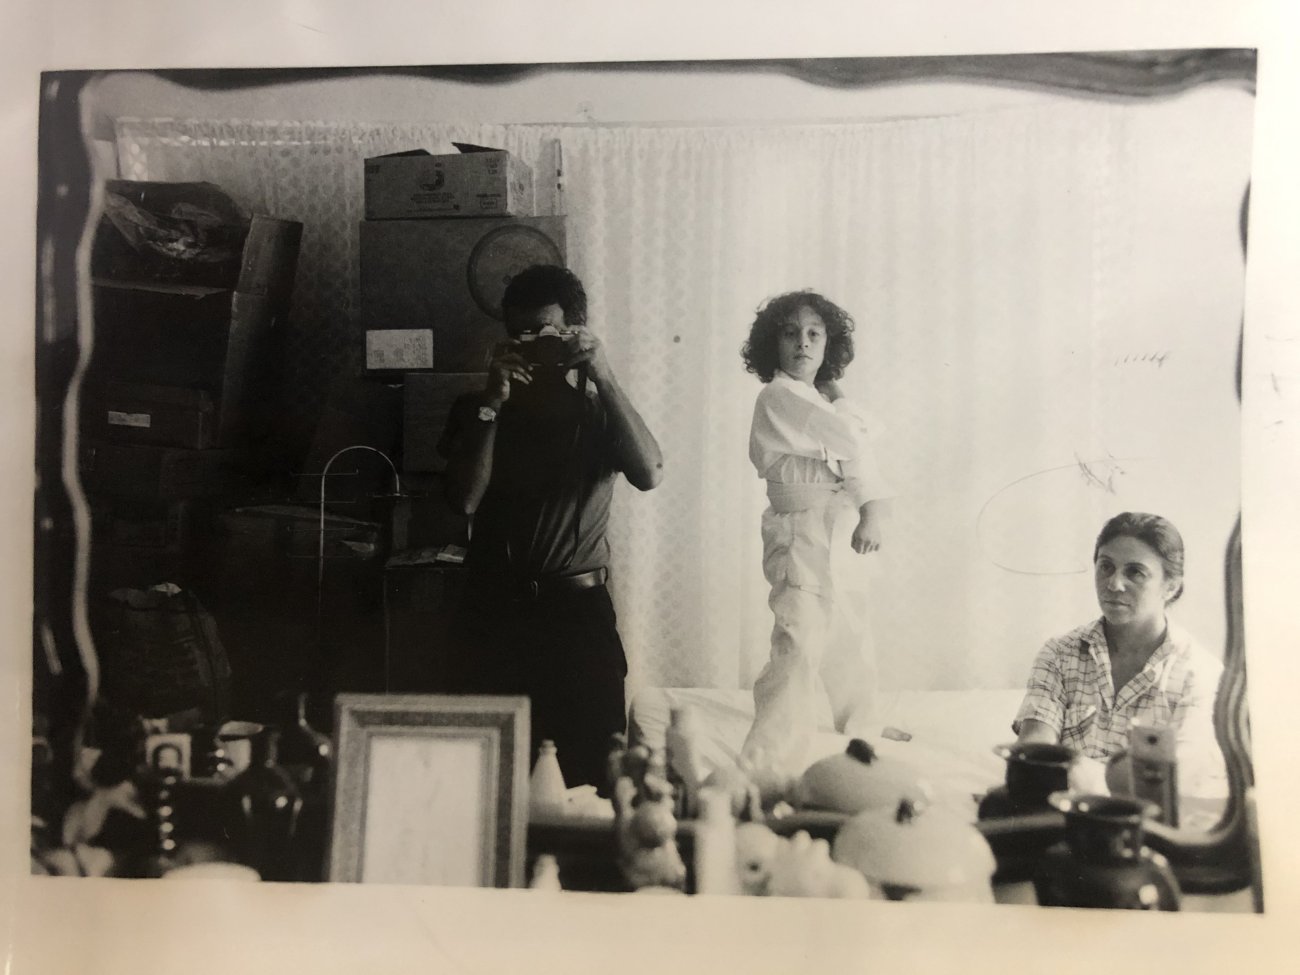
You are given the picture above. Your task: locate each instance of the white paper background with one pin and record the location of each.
(77, 925)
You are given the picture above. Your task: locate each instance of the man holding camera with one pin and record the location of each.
(533, 458)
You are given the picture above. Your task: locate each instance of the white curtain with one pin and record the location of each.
(983, 258)
(971, 251)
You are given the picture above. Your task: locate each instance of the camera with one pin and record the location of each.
(548, 348)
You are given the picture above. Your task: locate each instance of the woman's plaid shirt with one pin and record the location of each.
(1070, 690)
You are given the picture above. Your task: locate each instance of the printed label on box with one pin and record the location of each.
(116, 418)
(399, 348)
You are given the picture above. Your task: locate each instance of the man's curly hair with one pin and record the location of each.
(760, 349)
(547, 284)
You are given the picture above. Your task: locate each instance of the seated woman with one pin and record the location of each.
(1088, 686)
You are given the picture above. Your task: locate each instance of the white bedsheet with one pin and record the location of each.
(953, 733)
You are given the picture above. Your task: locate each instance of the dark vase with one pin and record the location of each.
(1034, 771)
(263, 805)
(208, 758)
(1103, 862)
(304, 751)
(307, 755)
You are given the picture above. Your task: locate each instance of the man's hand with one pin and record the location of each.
(507, 367)
(638, 452)
(586, 347)
(866, 536)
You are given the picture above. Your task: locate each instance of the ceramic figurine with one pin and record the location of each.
(774, 785)
(646, 833)
(1103, 862)
(802, 867)
(746, 802)
(756, 848)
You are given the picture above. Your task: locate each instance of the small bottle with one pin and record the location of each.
(547, 793)
(681, 744)
(546, 873)
(715, 845)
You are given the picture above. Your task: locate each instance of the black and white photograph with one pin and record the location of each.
(816, 483)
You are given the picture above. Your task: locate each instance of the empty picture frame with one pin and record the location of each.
(430, 789)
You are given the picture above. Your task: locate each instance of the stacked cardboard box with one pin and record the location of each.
(443, 236)
(190, 303)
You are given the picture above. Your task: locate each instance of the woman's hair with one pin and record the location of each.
(547, 284)
(760, 349)
(1157, 532)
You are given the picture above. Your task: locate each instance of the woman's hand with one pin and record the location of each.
(506, 367)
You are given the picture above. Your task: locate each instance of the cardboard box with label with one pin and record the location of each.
(475, 182)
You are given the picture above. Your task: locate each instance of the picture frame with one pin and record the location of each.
(430, 789)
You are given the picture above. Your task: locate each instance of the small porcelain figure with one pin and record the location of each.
(756, 848)
(746, 803)
(802, 867)
(646, 833)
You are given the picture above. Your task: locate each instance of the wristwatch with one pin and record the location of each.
(487, 414)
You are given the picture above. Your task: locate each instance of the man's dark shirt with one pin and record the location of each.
(546, 507)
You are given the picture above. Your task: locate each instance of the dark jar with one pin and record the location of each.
(262, 806)
(304, 752)
(1035, 770)
(1103, 861)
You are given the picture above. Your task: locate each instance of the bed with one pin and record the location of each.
(952, 733)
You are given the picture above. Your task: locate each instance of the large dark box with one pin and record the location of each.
(449, 276)
(136, 413)
(260, 533)
(221, 334)
(161, 473)
(143, 526)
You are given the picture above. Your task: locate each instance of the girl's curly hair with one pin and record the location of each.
(760, 349)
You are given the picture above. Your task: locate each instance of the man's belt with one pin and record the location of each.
(545, 586)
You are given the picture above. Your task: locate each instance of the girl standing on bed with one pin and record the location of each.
(825, 494)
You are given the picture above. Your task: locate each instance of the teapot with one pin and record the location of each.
(914, 851)
(857, 779)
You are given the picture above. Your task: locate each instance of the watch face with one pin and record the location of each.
(487, 414)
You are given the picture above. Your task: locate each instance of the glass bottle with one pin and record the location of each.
(715, 845)
(683, 765)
